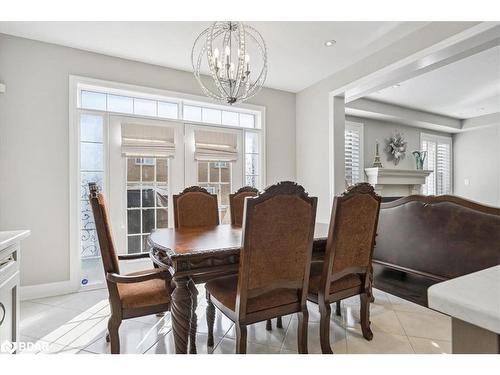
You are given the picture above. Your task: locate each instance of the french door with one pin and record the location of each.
(140, 186)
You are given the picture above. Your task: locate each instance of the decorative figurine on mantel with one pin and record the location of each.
(420, 158)
(376, 162)
(396, 147)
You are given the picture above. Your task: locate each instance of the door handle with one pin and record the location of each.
(2, 307)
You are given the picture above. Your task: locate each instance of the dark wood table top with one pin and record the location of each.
(207, 241)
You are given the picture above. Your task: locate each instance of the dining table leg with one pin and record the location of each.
(194, 318)
(181, 312)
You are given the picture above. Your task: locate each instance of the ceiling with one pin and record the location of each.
(467, 88)
(297, 54)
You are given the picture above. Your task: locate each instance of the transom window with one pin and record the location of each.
(101, 100)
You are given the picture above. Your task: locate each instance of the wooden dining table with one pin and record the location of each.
(197, 255)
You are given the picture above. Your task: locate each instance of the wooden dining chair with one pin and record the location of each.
(132, 295)
(275, 257)
(237, 203)
(346, 269)
(195, 207)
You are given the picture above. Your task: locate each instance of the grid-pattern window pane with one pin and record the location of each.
(438, 160)
(247, 120)
(211, 116)
(126, 104)
(192, 113)
(230, 118)
(93, 100)
(145, 107)
(168, 110)
(216, 177)
(121, 104)
(353, 143)
(147, 200)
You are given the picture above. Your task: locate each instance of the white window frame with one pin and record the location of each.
(77, 83)
(360, 127)
(446, 139)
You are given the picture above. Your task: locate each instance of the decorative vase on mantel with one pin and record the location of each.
(420, 158)
(376, 162)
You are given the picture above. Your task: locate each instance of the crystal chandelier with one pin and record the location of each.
(224, 50)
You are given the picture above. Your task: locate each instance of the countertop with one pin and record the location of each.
(473, 298)
(9, 237)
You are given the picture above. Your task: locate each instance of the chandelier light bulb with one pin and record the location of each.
(231, 79)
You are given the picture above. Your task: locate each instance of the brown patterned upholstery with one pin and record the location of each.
(274, 262)
(353, 232)
(277, 244)
(224, 290)
(145, 293)
(237, 203)
(351, 238)
(195, 207)
(346, 282)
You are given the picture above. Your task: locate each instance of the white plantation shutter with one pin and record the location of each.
(439, 161)
(354, 165)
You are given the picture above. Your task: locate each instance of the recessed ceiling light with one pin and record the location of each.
(330, 43)
(396, 85)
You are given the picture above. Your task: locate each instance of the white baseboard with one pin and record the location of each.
(47, 290)
(67, 286)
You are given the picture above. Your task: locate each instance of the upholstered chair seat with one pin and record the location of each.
(223, 292)
(347, 282)
(145, 293)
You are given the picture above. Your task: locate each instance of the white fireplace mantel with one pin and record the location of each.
(397, 182)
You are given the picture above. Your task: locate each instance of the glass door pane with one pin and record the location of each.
(92, 150)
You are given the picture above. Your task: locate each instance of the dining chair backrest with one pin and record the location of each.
(278, 231)
(237, 203)
(103, 229)
(195, 207)
(351, 237)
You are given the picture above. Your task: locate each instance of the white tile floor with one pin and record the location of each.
(76, 323)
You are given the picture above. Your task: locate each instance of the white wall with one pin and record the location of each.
(476, 157)
(378, 130)
(34, 166)
(313, 109)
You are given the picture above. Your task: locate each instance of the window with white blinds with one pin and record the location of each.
(438, 160)
(354, 163)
